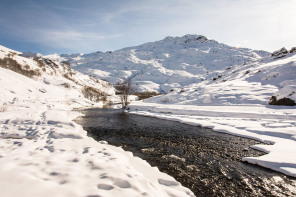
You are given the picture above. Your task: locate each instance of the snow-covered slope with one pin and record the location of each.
(173, 62)
(54, 73)
(44, 153)
(252, 83)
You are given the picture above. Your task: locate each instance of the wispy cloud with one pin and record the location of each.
(71, 39)
(55, 30)
(93, 25)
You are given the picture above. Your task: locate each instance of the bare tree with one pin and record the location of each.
(124, 88)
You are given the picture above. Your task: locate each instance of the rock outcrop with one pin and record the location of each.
(282, 101)
(293, 50)
(280, 53)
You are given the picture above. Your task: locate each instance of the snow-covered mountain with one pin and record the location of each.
(159, 66)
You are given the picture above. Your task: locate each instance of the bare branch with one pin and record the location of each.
(124, 88)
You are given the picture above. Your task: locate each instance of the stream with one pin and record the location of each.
(207, 162)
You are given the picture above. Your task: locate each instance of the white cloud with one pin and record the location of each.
(71, 39)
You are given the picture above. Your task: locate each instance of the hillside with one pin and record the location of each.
(48, 76)
(159, 66)
(253, 83)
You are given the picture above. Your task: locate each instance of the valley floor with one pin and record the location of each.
(274, 126)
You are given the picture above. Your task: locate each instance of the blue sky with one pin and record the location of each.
(69, 26)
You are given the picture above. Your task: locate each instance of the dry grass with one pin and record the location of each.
(3, 108)
(67, 85)
(145, 95)
(13, 65)
(93, 94)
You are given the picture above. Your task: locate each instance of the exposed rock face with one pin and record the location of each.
(293, 50)
(282, 101)
(280, 53)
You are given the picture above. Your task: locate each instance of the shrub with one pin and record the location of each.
(66, 63)
(93, 94)
(67, 85)
(3, 108)
(27, 67)
(13, 65)
(67, 67)
(70, 78)
(40, 62)
(145, 95)
(124, 89)
(50, 63)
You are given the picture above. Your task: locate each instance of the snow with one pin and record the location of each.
(44, 153)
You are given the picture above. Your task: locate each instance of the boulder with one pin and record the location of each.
(293, 50)
(280, 53)
(282, 101)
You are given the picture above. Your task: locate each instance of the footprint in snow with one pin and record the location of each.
(85, 150)
(117, 181)
(167, 183)
(49, 148)
(121, 183)
(105, 186)
(93, 196)
(17, 143)
(94, 166)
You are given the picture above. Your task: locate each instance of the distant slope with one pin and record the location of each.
(33, 75)
(173, 62)
(253, 83)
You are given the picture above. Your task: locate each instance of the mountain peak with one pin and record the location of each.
(186, 39)
(165, 64)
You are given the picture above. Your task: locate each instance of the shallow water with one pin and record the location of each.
(207, 162)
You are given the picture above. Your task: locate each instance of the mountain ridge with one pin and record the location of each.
(172, 62)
